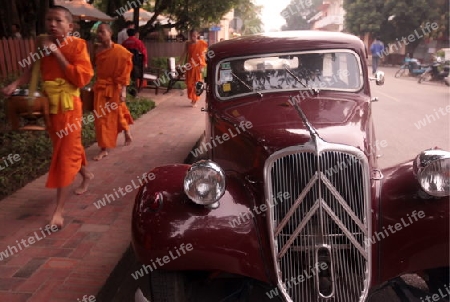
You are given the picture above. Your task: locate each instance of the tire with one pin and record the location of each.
(168, 286)
(424, 77)
(437, 279)
(400, 72)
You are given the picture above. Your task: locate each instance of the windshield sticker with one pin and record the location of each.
(225, 65)
(225, 76)
(226, 87)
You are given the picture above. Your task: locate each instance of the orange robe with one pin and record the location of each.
(68, 152)
(113, 66)
(196, 58)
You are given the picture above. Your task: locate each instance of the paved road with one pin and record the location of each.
(409, 118)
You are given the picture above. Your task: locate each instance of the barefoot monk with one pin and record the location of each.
(113, 64)
(65, 67)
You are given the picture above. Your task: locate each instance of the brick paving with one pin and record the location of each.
(77, 260)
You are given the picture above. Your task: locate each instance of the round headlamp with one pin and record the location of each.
(204, 182)
(432, 169)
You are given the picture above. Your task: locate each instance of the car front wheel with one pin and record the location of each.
(168, 286)
(437, 279)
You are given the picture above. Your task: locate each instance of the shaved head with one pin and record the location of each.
(104, 34)
(107, 27)
(66, 12)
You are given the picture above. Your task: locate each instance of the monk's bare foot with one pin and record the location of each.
(102, 154)
(128, 138)
(57, 220)
(84, 184)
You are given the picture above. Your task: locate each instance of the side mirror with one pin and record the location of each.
(199, 88)
(379, 78)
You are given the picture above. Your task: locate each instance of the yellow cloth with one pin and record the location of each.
(61, 92)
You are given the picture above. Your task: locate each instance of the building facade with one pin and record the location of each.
(330, 16)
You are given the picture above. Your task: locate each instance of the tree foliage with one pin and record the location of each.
(394, 19)
(186, 14)
(250, 14)
(28, 14)
(298, 12)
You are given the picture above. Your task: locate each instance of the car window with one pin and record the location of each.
(325, 70)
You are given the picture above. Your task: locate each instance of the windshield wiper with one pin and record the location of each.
(312, 89)
(245, 84)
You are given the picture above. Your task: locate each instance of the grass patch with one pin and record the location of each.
(35, 148)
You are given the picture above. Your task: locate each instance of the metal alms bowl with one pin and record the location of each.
(21, 106)
(25, 92)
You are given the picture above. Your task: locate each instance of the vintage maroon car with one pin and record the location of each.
(284, 193)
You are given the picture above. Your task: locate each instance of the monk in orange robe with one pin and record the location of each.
(194, 59)
(65, 67)
(114, 64)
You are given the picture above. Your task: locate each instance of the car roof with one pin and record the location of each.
(285, 41)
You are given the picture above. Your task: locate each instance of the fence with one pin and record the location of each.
(13, 51)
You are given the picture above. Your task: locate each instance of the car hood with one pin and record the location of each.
(276, 124)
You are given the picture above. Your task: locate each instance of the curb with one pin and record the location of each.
(117, 286)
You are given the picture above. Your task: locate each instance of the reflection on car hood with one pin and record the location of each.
(276, 124)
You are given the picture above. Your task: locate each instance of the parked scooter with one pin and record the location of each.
(437, 71)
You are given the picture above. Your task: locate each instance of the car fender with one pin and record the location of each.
(164, 219)
(415, 225)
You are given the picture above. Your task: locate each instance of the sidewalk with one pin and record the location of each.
(77, 260)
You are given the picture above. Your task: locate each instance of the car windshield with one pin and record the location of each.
(323, 70)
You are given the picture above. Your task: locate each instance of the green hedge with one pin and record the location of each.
(35, 149)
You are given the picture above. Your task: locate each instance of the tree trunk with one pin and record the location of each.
(8, 16)
(136, 17)
(42, 10)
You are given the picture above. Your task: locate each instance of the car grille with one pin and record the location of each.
(320, 232)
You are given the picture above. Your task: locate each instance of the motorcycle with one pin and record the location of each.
(413, 67)
(437, 71)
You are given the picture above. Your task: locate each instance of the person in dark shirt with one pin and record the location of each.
(134, 43)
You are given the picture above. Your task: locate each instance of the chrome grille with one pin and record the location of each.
(324, 222)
